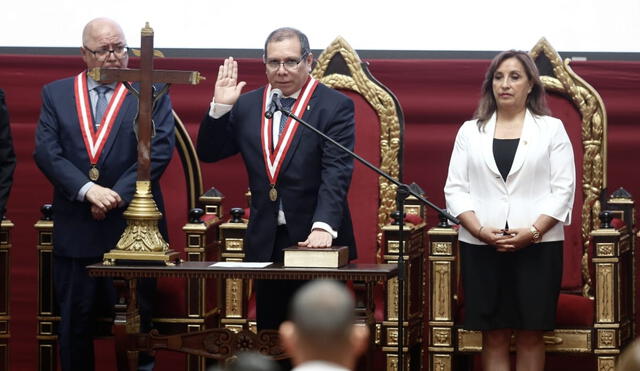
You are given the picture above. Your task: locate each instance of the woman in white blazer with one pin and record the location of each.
(511, 183)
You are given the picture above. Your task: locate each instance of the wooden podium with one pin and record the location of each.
(220, 343)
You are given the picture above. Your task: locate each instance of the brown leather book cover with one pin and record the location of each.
(305, 257)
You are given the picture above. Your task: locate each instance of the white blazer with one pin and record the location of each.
(541, 179)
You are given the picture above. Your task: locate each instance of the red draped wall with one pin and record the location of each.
(436, 96)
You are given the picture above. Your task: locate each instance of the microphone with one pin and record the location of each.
(274, 104)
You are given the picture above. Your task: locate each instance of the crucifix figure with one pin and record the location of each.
(141, 239)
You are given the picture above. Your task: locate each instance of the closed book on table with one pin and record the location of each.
(306, 257)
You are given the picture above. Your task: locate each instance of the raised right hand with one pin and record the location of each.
(103, 198)
(228, 89)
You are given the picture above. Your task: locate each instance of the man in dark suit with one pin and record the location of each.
(298, 182)
(87, 148)
(7, 156)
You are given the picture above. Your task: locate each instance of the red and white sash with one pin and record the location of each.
(273, 158)
(94, 141)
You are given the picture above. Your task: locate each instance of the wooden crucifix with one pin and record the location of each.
(147, 76)
(141, 239)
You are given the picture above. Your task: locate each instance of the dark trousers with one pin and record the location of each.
(273, 297)
(82, 299)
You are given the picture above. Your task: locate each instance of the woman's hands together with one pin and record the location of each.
(505, 240)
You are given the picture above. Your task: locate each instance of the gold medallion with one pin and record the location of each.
(94, 173)
(273, 193)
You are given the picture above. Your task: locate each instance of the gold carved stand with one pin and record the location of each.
(48, 314)
(141, 239)
(413, 323)
(5, 265)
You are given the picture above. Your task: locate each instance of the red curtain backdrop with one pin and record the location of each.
(436, 96)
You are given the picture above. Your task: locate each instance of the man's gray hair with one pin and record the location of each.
(287, 33)
(323, 313)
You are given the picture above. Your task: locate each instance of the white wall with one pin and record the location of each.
(570, 25)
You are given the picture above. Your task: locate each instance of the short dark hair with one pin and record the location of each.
(287, 33)
(322, 312)
(536, 100)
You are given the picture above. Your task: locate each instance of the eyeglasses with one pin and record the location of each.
(103, 54)
(289, 64)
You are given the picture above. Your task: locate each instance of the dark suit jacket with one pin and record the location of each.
(7, 156)
(315, 175)
(61, 155)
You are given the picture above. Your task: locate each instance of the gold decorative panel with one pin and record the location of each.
(605, 249)
(412, 210)
(441, 362)
(211, 209)
(442, 248)
(392, 299)
(606, 363)
(567, 340)
(233, 298)
(605, 306)
(393, 247)
(469, 341)
(392, 362)
(392, 336)
(441, 291)
(441, 336)
(607, 338)
(233, 244)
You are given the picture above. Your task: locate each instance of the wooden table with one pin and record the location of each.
(220, 343)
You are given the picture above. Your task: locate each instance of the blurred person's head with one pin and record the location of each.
(247, 361)
(629, 360)
(322, 326)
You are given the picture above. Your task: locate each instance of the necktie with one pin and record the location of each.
(101, 105)
(287, 103)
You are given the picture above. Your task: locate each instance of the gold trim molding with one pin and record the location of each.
(594, 130)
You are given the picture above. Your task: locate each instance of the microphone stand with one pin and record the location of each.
(403, 191)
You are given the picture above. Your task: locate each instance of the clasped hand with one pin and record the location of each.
(506, 240)
(102, 200)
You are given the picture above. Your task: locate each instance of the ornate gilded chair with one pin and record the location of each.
(596, 309)
(379, 127)
(171, 315)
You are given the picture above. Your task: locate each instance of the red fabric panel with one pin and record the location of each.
(563, 109)
(363, 194)
(436, 96)
(574, 311)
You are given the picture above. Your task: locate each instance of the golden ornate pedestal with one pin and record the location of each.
(141, 239)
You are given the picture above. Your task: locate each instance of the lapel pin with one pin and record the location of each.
(308, 108)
